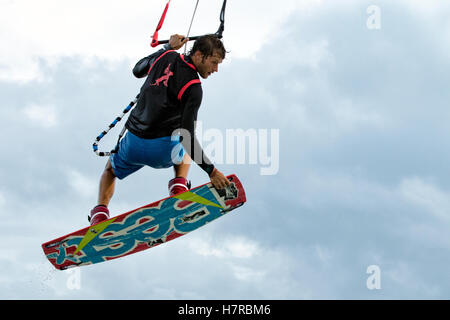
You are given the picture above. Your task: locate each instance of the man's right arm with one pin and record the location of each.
(141, 68)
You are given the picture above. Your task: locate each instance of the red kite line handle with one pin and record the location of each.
(155, 41)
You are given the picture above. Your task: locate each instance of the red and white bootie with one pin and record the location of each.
(178, 185)
(98, 214)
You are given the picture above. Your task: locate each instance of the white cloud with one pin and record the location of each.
(428, 196)
(235, 247)
(84, 186)
(247, 274)
(2, 200)
(404, 275)
(324, 254)
(42, 115)
(115, 30)
(351, 117)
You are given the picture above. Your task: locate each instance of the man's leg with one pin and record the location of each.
(106, 191)
(107, 184)
(181, 170)
(180, 183)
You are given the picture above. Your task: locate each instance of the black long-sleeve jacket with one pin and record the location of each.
(169, 102)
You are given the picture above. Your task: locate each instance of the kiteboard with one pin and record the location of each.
(145, 227)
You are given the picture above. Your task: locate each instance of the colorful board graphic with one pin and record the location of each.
(144, 227)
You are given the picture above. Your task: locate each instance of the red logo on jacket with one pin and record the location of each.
(165, 78)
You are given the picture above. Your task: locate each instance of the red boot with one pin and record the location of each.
(98, 214)
(178, 185)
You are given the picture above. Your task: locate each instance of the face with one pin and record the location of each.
(207, 66)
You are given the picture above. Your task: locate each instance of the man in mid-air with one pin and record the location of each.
(161, 127)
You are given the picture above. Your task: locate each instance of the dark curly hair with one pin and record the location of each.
(207, 44)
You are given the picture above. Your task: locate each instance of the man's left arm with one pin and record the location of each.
(191, 103)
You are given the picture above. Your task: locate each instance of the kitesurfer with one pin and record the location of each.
(161, 127)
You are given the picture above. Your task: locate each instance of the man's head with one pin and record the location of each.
(206, 54)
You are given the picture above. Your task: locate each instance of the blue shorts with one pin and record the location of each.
(135, 153)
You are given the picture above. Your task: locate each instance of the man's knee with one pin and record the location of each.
(109, 169)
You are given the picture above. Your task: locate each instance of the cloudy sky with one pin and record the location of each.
(357, 91)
